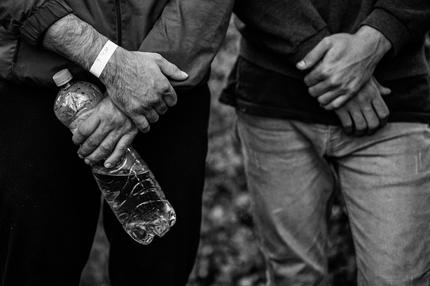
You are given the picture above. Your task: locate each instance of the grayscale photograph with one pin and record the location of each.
(214, 142)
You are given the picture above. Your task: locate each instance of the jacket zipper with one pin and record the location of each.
(118, 21)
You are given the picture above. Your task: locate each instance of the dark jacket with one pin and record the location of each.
(186, 32)
(278, 33)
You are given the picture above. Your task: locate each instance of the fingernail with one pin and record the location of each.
(88, 162)
(108, 165)
(80, 156)
(184, 74)
(301, 65)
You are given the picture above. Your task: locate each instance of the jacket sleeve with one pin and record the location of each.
(401, 21)
(29, 19)
(189, 34)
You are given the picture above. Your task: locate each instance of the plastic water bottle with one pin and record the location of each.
(129, 188)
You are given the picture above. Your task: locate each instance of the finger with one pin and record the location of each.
(104, 149)
(319, 89)
(328, 97)
(371, 117)
(170, 98)
(170, 70)
(314, 56)
(92, 142)
(382, 89)
(141, 123)
(345, 120)
(120, 149)
(160, 107)
(338, 102)
(381, 110)
(151, 115)
(85, 129)
(315, 76)
(360, 124)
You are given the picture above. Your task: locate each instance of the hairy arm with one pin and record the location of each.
(136, 84)
(75, 40)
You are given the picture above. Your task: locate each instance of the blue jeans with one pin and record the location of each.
(292, 168)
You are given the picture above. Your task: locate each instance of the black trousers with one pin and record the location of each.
(49, 202)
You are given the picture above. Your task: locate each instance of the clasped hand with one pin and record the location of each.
(138, 93)
(340, 76)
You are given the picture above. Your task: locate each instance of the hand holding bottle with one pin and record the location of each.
(129, 187)
(104, 134)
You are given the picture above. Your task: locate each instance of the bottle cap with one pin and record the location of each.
(62, 77)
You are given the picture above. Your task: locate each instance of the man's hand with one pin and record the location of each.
(138, 84)
(366, 112)
(104, 135)
(342, 64)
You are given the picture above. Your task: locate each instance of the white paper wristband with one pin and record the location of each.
(103, 58)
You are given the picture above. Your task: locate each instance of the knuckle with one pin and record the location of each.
(82, 130)
(350, 91)
(337, 104)
(347, 125)
(354, 88)
(153, 118)
(312, 91)
(145, 129)
(323, 100)
(134, 132)
(367, 109)
(164, 88)
(90, 144)
(326, 40)
(334, 81)
(326, 73)
(153, 100)
(373, 124)
(105, 148)
(136, 109)
(128, 125)
(385, 114)
(361, 127)
(156, 57)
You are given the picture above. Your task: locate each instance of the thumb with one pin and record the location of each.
(382, 89)
(171, 71)
(314, 56)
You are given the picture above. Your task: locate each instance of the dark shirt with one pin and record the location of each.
(276, 34)
(256, 90)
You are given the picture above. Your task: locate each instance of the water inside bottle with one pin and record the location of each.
(136, 201)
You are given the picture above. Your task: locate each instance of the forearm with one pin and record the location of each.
(400, 21)
(75, 40)
(378, 44)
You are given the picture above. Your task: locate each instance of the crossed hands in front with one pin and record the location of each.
(138, 93)
(339, 75)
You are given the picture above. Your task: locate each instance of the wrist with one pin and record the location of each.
(375, 38)
(112, 68)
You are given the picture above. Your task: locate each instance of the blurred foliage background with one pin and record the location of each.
(229, 253)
